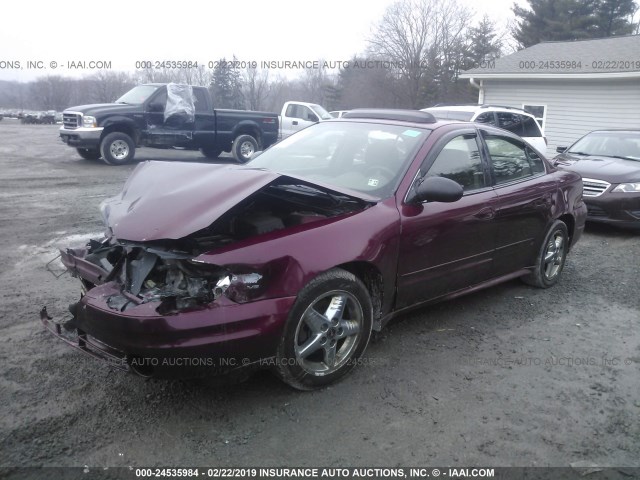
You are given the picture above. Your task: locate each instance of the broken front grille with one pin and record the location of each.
(594, 188)
(71, 120)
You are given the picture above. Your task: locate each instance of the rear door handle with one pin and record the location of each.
(487, 213)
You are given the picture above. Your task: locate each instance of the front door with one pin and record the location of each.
(170, 118)
(446, 247)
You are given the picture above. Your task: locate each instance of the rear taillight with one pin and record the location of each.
(268, 120)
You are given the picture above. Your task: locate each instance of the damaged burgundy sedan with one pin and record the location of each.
(292, 260)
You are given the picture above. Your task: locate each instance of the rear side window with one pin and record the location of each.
(530, 127)
(511, 159)
(291, 111)
(510, 121)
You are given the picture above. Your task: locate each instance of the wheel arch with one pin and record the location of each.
(372, 278)
(126, 127)
(248, 127)
(570, 222)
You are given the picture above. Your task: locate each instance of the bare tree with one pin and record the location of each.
(256, 87)
(418, 39)
(109, 85)
(52, 92)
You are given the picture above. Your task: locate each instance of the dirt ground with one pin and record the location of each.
(511, 376)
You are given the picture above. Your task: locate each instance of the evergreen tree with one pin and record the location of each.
(484, 43)
(226, 86)
(614, 17)
(547, 20)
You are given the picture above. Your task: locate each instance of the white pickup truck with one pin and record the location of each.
(298, 115)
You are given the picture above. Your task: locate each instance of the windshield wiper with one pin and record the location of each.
(580, 153)
(307, 190)
(635, 159)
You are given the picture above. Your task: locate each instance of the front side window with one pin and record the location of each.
(511, 159)
(460, 161)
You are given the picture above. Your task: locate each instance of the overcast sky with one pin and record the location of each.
(125, 31)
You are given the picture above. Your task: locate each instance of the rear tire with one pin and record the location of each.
(211, 153)
(89, 153)
(244, 146)
(327, 331)
(117, 148)
(552, 257)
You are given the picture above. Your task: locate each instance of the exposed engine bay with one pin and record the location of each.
(165, 271)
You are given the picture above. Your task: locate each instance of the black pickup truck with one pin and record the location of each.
(165, 116)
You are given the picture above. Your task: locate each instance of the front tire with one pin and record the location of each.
(117, 148)
(89, 153)
(244, 146)
(552, 257)
(327, 331)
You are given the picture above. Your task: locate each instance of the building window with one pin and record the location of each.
(538, 111)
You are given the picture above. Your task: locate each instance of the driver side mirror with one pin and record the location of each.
(156, 107)
(313, 118)
(437, 189)
(561, 149)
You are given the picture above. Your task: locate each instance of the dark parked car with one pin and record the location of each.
(609, 162)
(292, 260)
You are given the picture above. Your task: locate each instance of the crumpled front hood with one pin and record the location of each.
(170, 200)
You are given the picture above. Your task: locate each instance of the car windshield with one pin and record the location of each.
(365, 157)
(609, 144)
(137, 95)
(321, 112)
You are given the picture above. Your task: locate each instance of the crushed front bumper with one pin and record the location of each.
(223, 337)
(89, 346)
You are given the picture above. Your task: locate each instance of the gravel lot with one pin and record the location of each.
(511, 376)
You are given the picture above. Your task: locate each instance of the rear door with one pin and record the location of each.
(204, 134)
(525, 198)
(445, 247)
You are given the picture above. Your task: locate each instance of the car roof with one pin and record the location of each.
(475, 108)
(389, 117)
(413, 116)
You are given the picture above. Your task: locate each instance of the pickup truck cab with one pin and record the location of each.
(298, 115)
(165, 116)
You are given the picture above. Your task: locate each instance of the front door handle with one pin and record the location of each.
(295, 122)
(487, 213)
